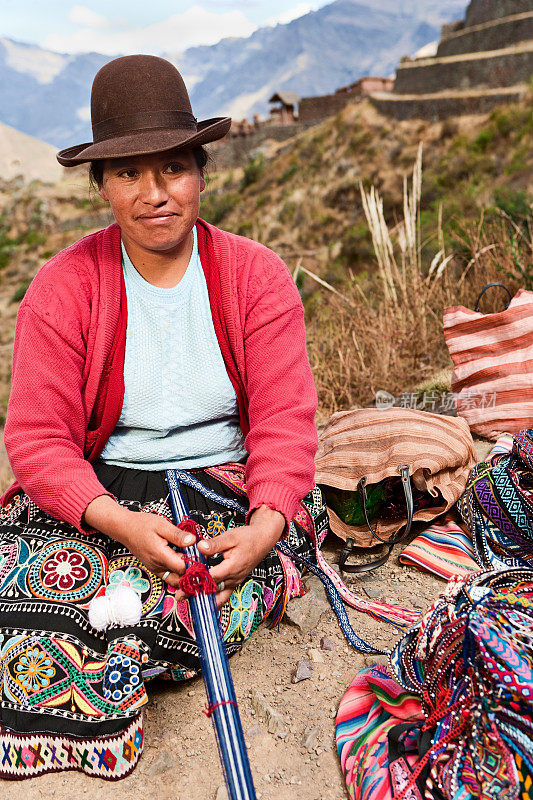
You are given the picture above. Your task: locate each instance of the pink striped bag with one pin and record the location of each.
(493, 365)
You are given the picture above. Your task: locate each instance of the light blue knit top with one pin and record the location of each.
(180, 408)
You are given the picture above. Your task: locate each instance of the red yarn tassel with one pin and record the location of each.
(197, 579)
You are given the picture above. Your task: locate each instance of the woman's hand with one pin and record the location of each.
(147, 536)
(243, 548)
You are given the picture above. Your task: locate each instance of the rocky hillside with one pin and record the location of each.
(47, 94)
(302, 198)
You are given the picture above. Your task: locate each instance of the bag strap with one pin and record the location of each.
(488, 286)
(403, 469)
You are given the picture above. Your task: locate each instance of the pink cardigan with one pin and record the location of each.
(68, 381)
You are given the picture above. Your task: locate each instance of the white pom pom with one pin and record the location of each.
(98, 613)
(126, 606)
(121, 606)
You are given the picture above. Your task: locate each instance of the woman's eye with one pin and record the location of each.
(174, 167)
(127, 173)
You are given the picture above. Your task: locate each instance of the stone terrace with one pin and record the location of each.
(481, 62)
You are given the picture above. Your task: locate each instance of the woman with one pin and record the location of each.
(159, 342)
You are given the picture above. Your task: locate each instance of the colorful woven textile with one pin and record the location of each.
(74, 694)
(497, 507)
(371, 707)
(457, 720)
(493, 365)
(445, 548)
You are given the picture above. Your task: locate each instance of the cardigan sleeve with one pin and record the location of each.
(46, 420)
(282, 440)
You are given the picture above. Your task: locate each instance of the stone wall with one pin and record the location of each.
(484, 10)
(314, 109)
(478, 71)
(491, 36)
(235, 151)
(442, 106)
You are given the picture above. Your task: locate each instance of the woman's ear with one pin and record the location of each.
(202, 183)
(102, 192)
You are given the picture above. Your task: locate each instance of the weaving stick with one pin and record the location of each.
(222, 701)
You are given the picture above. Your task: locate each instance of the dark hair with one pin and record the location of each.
(96, 169)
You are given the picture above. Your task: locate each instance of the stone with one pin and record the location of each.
(371, 659)
(303, 671)
(315, 656)
(305, 612)
(221, 793)
(327, 644)
(374, 592)
(264, 710)
(163, 763)
(309, 739)
(253, 730)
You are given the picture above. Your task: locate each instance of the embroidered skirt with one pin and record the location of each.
(71, 696)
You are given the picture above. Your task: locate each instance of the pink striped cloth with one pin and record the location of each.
(445, 548)
(493, 365)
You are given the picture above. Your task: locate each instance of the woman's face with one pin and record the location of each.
(154, 198)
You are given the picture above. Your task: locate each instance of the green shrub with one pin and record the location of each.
(19, 292)
(289, 172)
(214, 208)
(287, 212)
(483, 139)
(514, 202)
(252, 171)
(245, 228)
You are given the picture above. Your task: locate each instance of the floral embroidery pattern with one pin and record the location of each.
(177, 610)
(215, 526)
(34, 670)
(244, 605)
(131, 577)
(122, 677)
(64, 569)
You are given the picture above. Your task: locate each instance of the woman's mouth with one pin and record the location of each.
(156, 218)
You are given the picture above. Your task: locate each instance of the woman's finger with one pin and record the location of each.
(219, 544)
(223, 596)
(175, 535)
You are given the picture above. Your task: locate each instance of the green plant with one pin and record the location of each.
(514, 202)
(245, 228)
(253, 170)
(19, 292)
(291, 170)
(483, 139)
(214, 208)
(287, 213)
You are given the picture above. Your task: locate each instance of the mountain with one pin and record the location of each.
(23, 155)
(314, 54)
(47, 94)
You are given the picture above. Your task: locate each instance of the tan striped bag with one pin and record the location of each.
(493, 366)
(373, 444)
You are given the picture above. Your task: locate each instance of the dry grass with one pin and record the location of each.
(387, 333)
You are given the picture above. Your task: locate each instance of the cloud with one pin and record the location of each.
(81, 15)
(195, 26)
(290, 14)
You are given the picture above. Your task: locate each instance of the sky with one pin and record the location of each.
(150, 26)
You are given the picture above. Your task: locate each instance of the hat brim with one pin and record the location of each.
(145, 142)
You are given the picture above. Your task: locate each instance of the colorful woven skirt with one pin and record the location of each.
(71, 696)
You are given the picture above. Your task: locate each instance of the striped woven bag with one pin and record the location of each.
(493, 365)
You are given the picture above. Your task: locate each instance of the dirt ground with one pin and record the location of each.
(297, 760)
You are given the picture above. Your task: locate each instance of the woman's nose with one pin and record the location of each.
(153, 189)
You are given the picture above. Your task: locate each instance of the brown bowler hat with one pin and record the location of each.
(139, 105)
